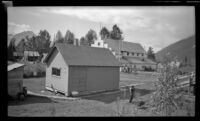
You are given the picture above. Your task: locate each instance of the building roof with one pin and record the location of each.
(148, 61)
(136, 60)
(85, 56)
(113, 44)
(124, 46)
(123, 61)
(132, 47)
(31, 53)
(12, 66)
(17, 54)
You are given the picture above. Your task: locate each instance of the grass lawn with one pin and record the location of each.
(34, 84)
(41, 106)
(95, 105)
(38, 84)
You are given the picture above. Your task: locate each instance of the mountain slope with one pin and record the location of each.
(18, 37)
(181, 49)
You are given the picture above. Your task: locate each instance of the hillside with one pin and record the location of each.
(18, 37)
(181, 49)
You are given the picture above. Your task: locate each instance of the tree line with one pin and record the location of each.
(90, 36)
(41, 42)
(70, 38)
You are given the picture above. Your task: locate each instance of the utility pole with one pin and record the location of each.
(120, 47)
(100, 26)
(100, 30)
(100, 33)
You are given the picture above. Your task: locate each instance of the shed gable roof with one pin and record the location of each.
(12, 66)
(85, 56)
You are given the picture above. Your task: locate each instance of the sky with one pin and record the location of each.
(155, 26)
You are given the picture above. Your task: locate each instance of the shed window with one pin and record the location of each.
(56, 71)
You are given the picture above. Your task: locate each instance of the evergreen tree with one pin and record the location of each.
(104, 33)
(69, 37)
(91, 36)
(59, 37)
(83, 41)
(11, 50)
(116, 33)
(151, 54)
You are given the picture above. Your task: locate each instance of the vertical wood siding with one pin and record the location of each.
(89, 79)
(15, 81)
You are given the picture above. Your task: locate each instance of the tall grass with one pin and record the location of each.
(38, 68)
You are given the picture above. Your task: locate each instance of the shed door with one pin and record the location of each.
(78, 79)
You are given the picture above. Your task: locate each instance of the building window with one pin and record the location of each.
(142, 54)
(132, 54)
(98, 43)
(56, 71)
(127, 53)
(137, 54)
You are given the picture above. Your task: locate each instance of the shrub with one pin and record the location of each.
(167, 98)
(148, 68)
(32, 68)
(28, 74)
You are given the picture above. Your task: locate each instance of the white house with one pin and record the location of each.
(128, 53)
(99, 43)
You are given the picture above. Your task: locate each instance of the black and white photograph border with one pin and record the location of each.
(101, 61)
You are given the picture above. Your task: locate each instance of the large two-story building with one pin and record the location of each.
(129, 54)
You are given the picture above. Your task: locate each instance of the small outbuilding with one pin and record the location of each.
(81, 69)
(15, 79)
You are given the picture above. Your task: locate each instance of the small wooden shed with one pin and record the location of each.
(15, 78)
(81, 69)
